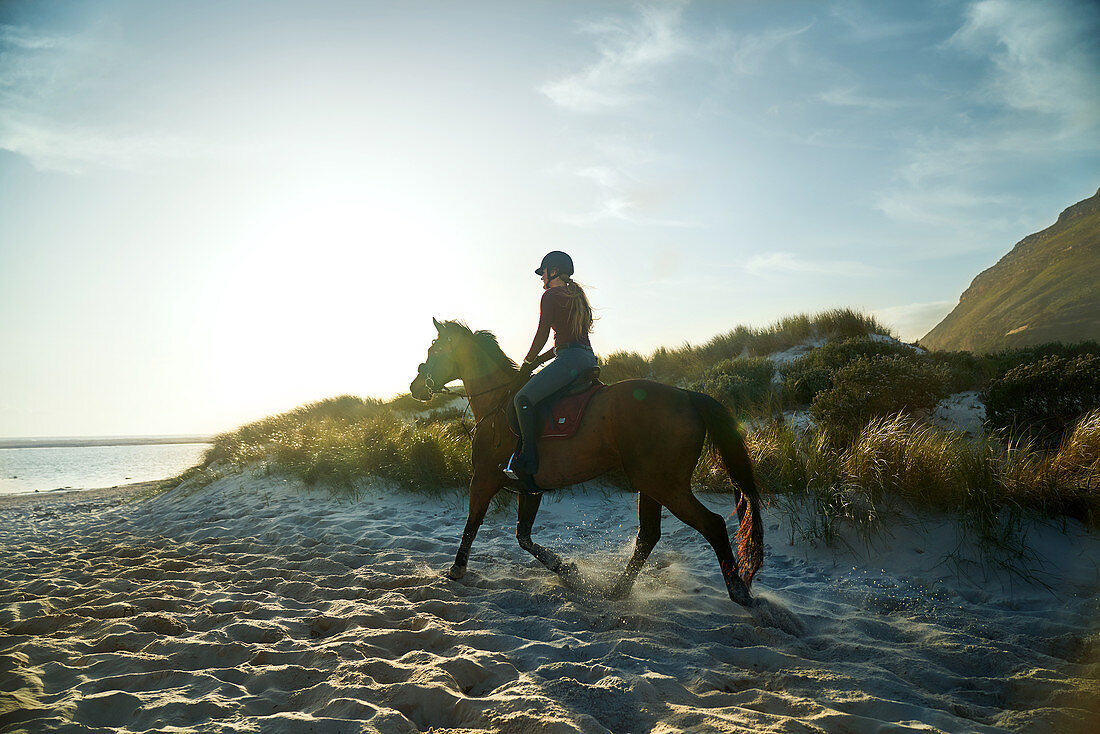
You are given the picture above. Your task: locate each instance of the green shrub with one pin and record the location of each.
(790, 331)
(876, 386)
(739, 383)
(966, 371)
(1008, 359)
(689, 364)
(813, 373)
(1044, 399)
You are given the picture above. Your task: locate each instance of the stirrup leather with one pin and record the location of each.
(510, 470)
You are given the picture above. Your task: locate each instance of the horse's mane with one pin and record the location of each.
(487, 340)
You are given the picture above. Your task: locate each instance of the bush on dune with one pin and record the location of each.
(970, 371)
(688, 363)
(813, 373)
(1044, 399)
(1006, 359)
(741, 384)
(877, 386)
(965, 370)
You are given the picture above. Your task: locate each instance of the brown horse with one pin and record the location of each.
(653, 433)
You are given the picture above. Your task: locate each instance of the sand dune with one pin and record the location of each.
(254, 605)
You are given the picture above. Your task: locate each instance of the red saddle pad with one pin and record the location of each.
(565, 415)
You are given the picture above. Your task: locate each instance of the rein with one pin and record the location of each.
(444, 390)
(448, 391)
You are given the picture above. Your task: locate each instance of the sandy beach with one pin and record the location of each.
(255, 605)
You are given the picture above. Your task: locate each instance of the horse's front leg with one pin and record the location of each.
(649, 532)
(482, 491)
(528, 508)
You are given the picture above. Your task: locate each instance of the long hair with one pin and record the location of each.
(579, 316)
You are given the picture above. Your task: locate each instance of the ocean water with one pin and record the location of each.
(86, 467)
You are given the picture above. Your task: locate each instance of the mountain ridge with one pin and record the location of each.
(1045, 289)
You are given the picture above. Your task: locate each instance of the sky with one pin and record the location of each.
(215, 211)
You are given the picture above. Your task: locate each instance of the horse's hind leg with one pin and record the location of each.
(528, 508)
(684, 505)
(649, 532)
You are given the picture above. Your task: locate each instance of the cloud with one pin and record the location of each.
(25, 38)
(620, 209)
(1045, 56)
(750, 52)
(914, 320)
(39, 117)
(630, 54)
(788, 262)
(941, 205)
(1036, 101)
(637, 56)
(52, 145)
(26, 62)
(850, 97)
(624, 198)
(863, 24)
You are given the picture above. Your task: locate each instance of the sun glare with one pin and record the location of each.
(313, 296)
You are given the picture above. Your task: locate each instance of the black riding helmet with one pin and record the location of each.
(556, 260)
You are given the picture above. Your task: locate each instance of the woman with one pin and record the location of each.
(566, 311)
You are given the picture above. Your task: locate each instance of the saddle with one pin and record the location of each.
(559, 415)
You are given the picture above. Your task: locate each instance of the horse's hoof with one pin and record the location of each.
(456, 572)
(618, 593)
(739, 593)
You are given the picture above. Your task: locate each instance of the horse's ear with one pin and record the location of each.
(438, 326)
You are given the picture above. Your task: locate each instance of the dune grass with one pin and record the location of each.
(827, 480)
(689, 363)
(899, 465)
(340, 441)
(896, 465)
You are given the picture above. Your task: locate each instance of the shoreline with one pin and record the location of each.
(54, 496)
(94, 441)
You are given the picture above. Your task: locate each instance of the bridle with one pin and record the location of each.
(429, 384)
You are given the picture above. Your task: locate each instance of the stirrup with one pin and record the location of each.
(519, 465)
(524, 478)
(509, 469)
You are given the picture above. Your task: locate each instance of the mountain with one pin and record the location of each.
(1047, 289)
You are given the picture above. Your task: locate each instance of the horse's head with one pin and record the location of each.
(441, 366)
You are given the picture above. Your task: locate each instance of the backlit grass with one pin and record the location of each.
(689, 363)
(900, 464)
(828, 480)
(341, 441)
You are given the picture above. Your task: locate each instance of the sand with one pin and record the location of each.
(255, 605)
(962, 411)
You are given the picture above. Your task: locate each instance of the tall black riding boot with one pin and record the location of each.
(528, 460)
(524, 464)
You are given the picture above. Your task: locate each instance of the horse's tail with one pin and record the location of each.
(726, 441)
